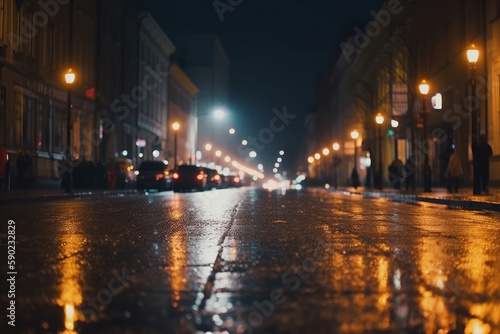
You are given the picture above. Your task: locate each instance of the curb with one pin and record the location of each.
(409, 198)
(83, 194)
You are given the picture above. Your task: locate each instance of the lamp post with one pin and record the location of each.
(69, 77)
(176, 126)
(379, 119)
(336, 162)
(395, 125)
(355, 136)
(472, 57)
(317, 156)
(424, 90)
(326, 167)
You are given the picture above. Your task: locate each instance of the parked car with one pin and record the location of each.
(154, 175)
(214, 179)
(189, 177)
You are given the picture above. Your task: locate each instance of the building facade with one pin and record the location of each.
(39, 42)
(181, 106)
(380, 70)
(205, 61)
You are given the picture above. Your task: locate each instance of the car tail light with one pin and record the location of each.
(200, 177)
(166, 172)
(236, 179)
(160, 176)
(217, 177)
(175, 176)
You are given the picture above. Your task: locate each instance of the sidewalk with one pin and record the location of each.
(464, 199)
(33, 195)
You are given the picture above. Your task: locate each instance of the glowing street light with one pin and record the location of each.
(326, 151)
(219, 113)
(276, 165)
(336, 146)
(232, 131)
(354, 134)
(252, 154)
(310, 160)
(473, 57)
(218, 153)
(379, 119)
(282, 152)
(69, 77)
(175, 126)
(395, 125)
(208, 147)
(244, 142)
(317, 156)
(227, 159)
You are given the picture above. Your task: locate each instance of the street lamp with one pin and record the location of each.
(395, 125)
(336, 163)
(424, 90)
(310, 160)
(473, 57)
(208, 147)
(379, 119)
(232, 131)
(219, 113)
(69, 77)
(354, 136)
(176, 126)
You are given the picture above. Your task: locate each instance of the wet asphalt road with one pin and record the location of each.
(245, 260)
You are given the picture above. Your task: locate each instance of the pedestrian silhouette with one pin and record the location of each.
(355, 178)
(482, 154)
(454, 172)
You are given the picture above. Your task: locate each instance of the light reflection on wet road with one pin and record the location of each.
(248, 260)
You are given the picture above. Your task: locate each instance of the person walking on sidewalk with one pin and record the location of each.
(482, 154)
(355, 178)
(454, 172)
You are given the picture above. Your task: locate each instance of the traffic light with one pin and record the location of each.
(390, 132)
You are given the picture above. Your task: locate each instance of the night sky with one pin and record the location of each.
(277, 51)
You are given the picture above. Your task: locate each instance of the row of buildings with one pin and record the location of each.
(378, 71)
(132, 82)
